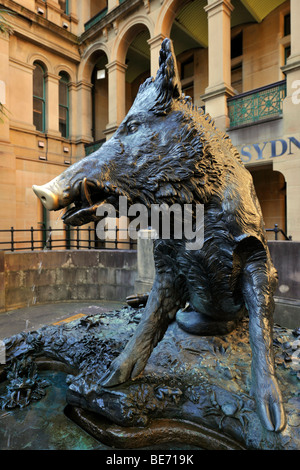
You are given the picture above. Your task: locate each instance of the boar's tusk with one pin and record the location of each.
(86, 192)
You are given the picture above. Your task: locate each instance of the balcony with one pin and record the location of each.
(92, 147)
(261, 104)
(95, 19)
(99, 16)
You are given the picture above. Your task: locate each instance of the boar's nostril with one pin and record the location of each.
(47, 197)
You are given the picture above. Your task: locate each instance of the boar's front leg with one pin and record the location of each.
(162, 305)
(258, 286)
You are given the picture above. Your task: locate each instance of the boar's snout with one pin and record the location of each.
(49, 200)
(55, 194)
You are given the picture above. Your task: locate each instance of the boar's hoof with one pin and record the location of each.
(124, 367)
(269, 401)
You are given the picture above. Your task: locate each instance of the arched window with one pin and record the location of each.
(64, 104)
(39, 97)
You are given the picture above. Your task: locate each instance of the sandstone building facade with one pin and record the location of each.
(70, 69)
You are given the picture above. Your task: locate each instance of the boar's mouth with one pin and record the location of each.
(91, 195)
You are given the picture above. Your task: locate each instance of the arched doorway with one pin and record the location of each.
(189, 33)
(138, 64)
(270, 188)
(99, 82)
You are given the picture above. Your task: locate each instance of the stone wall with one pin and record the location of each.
(285, 256)
(28, 278)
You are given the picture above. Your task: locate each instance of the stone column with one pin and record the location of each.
(73, 113)
(145, 261)
(291, 112)
(52, 109)
(83, 12)
(73, 17)
(84, 111)
(291, 105)
(155, 45)
(219, 61)
(116, 96)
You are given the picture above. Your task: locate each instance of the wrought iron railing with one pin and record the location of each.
(73, 239)
(92, 147)
(95, 19)
(278, 230)
(257, 105)
(67, 239)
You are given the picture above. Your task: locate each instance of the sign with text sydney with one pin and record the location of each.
(269, 149)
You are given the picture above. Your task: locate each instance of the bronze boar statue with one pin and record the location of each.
(167, 151)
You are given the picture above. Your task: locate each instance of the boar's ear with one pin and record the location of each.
(167, 79)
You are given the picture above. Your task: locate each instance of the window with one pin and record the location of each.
(237, 45)
(287, 53)
(39, 97)
(237, 77)
(285, 41)
(287, 25)
(187, 69)
(64, 104)
(64, 5)
(187, 77)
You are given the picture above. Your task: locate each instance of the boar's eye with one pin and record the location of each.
(132, 126)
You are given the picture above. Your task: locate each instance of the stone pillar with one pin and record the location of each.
(73, 17)
(155, 45)
(291, 112)
(73, 114)
(52, 109)
(84, 111)
(83, 12)
(219, 61)
(145, 261)
(291, 105)
(116, 96)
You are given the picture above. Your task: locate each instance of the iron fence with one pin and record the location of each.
(73, 239)
(278, 230)
(52, 239)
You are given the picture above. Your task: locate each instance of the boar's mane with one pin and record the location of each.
(190, 167)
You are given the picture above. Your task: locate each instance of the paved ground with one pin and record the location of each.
(34, 317)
